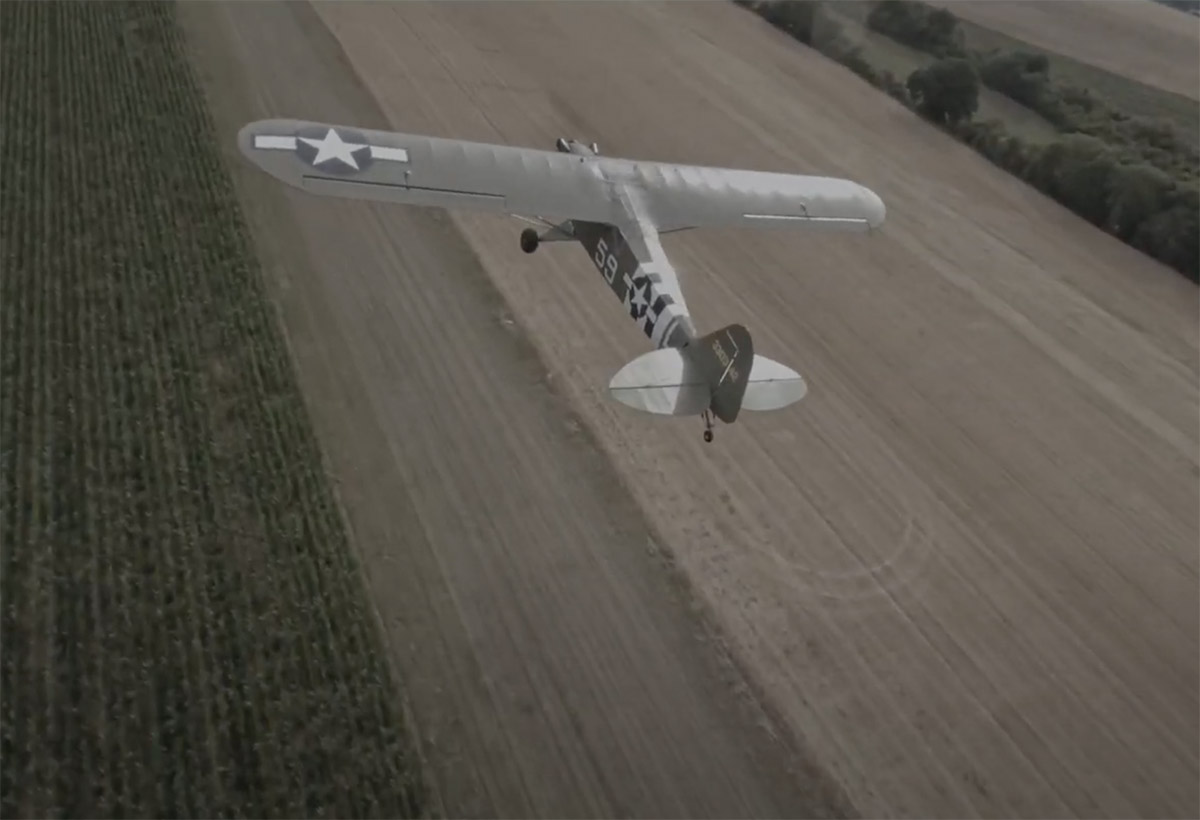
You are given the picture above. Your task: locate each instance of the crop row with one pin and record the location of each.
(184, 625)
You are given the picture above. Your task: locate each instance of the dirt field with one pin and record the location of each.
(552, 667)
(1140, 39)
(963, 573)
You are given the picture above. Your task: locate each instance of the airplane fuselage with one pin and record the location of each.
(637, 285)
(663, 320)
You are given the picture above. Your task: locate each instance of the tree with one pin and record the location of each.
(1044, 161)
(796, 17)
(1082, 179)
(1014, 156)
(941, 34)
(914, 24)
(901, 20)
(946, 91)
(894, 87)
(1136, 193)
(1020, 75)
(1170, 236)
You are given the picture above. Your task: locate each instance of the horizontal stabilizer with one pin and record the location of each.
(772, 386)
(662, 382)
(665, 382)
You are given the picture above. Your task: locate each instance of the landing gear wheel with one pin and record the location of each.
(529, 240)
(708, 424)
(708, 435)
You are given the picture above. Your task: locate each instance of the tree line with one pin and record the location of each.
(1134, 177)
(1190, 6)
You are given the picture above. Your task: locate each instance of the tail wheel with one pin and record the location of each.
(529, 240)
(708, 435)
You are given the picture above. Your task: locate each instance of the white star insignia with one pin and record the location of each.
(334, 147)
(331, 146)
(639, 299)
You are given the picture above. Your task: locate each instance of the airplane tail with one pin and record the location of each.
(724, 359)
(718, 372)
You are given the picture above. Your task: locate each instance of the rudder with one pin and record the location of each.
(724, 358)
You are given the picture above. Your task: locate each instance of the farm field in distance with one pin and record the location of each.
(184, 630)
(1150, 44)
(1125, 88)
(885, 54)
(984, 28)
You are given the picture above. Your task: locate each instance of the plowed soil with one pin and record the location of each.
(959, 579)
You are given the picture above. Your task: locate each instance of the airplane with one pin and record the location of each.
(617, 209)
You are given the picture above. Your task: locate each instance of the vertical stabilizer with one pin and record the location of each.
(725, 358)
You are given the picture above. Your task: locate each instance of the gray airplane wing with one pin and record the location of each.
(385, 166)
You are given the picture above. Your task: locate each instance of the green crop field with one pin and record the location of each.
(184, 626)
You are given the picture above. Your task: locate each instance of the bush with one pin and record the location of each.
(917, 25)
(1170, 236)
(946, 91)
(989, 138)
(895, 88)
(941, 34)
(1024, 77)
(1014, 156)
(1021, 75)
(796, 17)
(899, 19)
(851, 57)
(1081, 181)
(1136, 193)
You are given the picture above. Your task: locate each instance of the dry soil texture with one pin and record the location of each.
(963, 572)
(552, 663)
(1140, 39)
